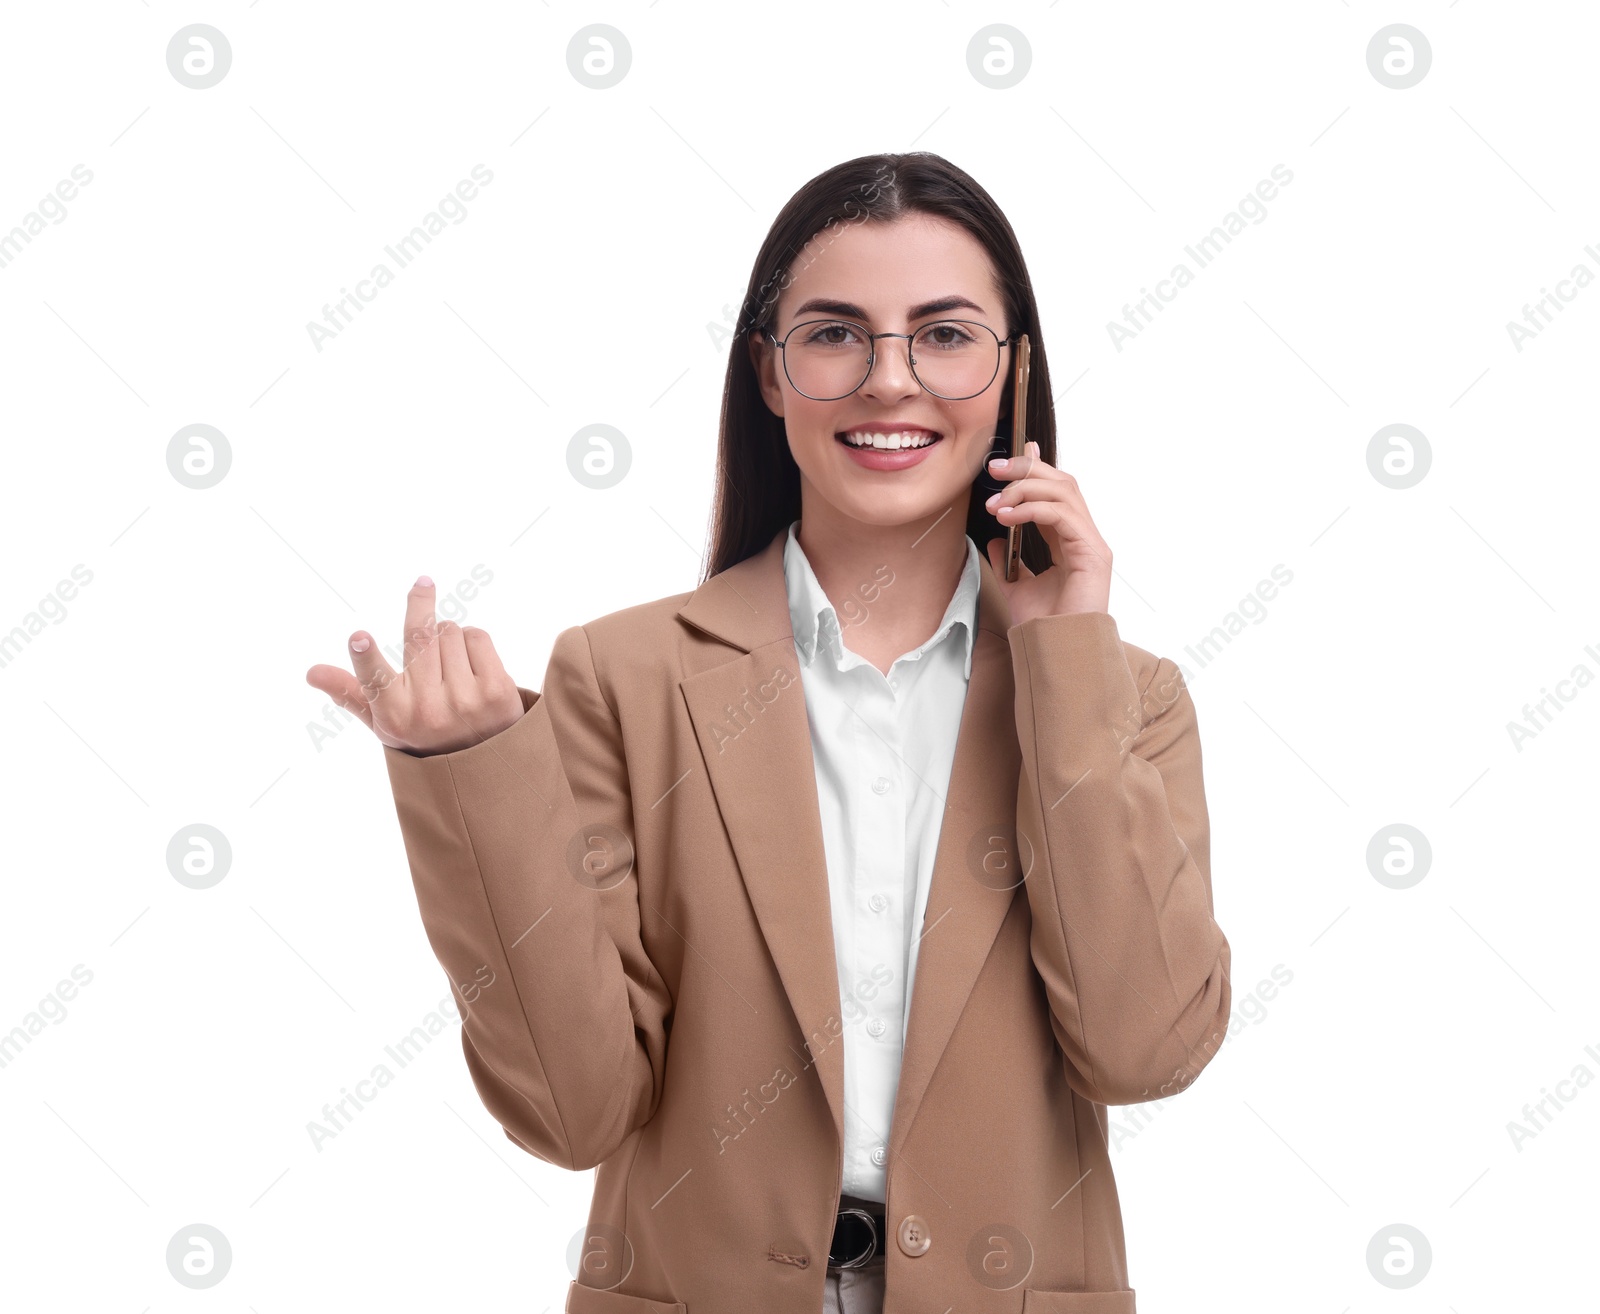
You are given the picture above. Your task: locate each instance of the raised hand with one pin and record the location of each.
(1079, 576)
(453, 692)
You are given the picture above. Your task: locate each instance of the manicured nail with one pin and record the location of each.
(990, 503)
(423, 582)
(998, 461)
(360, 643)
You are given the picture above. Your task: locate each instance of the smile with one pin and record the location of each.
(890, 442)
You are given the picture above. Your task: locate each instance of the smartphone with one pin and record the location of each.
(1019, 442)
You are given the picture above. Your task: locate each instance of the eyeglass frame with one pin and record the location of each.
(872, 353)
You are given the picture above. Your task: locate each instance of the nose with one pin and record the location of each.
(890, 378)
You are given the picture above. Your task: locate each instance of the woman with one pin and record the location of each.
(823, 906)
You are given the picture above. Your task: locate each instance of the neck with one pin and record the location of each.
(889, 584)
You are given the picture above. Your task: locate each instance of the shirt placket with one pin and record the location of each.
(879, 845)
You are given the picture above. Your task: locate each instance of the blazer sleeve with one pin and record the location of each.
(1112, 805)
(520, 855)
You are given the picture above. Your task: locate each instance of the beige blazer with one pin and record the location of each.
(628, 890)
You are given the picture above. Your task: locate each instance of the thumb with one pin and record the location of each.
(996, 548)
(343, 688)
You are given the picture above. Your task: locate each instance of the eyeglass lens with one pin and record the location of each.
(829, 358)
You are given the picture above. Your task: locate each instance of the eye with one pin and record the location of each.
(832, 333)
(948, 335)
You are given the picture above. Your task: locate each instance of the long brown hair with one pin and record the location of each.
(758, 482)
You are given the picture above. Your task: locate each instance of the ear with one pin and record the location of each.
(763, 359)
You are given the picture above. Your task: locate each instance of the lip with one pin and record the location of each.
(876, 458)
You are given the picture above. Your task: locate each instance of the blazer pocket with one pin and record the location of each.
(593, 1300)
(1038, 1301)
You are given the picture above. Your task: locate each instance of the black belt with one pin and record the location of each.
(858, 1232)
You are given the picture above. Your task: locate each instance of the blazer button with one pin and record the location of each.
(914, 1238)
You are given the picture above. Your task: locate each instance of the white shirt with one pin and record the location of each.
(883, 748)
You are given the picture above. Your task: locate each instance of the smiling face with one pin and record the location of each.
(892, 278)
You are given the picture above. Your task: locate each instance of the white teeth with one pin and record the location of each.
(889, 441)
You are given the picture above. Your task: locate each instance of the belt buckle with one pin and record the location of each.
(859, 1261)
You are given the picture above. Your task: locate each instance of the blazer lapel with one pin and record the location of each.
(749, 716)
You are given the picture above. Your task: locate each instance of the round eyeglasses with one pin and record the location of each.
(826, 359)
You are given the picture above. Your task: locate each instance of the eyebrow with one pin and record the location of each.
(849, 310)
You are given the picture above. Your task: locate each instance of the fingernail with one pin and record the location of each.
(423, 582)
(998, 461)
(990, 503)
(360, 643)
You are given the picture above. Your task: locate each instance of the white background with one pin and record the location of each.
(587, 284)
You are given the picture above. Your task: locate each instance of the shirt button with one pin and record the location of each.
(913, 1235)
(880, 1156)
(881, 785)
(877, 903)
(875, 1027)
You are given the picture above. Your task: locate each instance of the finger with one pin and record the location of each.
(1076, 532)
(486, 664)
(454, 667)
(371, 667)
(342, 688)
(1047, 515)
(1061, 486)
(1035, 490)
(1020, 467)
(421, 634)
(1008, 467)
(1047, 483)
(1036, 464)
(996, 548)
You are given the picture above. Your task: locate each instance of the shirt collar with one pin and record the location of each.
(812, 616)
